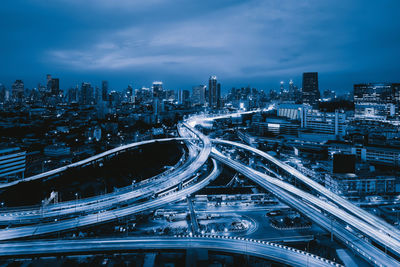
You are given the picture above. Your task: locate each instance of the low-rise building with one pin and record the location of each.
(57, 150)
(381, 155)
(360, 184)
(12, 162)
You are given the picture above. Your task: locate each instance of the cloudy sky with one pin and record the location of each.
(182, 42)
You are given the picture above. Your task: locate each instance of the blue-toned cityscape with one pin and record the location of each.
(299, 168)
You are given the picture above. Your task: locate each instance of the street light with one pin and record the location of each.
(133, 182)
(42, 208)
(76, 200)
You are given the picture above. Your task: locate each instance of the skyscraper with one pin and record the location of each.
(48, 84)
(73, 95)
(55, 86)
(17, 90)
(214, 92)
(291, 88)
(198, 94)
(129, 93)
(143, 95)
(2, 93)
(183, 96)
(86, 94)
(104, 90)
(282, 88)
(158, 89)
(311, 93)
(97, 95)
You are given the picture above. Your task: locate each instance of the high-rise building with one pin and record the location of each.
(291, 88)
(396, 92)
(48, 77)
(170, 94)
(129, 94)
(86, 94)
(115, 98)
(376, 100)
(97, 95)
(294, 92)
(214, 92)
(53, 85)
(73, 95)
(183, 96)
(17, 90)
(143, 95)
(282, 87)
(104, 90)
(129, 90)
(2, 93)
(311, 92)
(199, 94)
(158, 89)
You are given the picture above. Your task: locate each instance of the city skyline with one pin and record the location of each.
(199, 133)
(183, 44)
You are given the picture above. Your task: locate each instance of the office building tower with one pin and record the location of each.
(115, 98)
(97, 95)
(86, 94)
(17, 90)
(2, 93)
(291, 88)
(104, 90)
(199, 94)
(48, 76)
(282, 87)
(158, 89)
(143, 95)
(53, 85)
(311, 92)
(129, 94)
(48, 83)
(214, 92)
(170, 94)
(183, 96)
(396, 92)
(73, 95)
(129, 90)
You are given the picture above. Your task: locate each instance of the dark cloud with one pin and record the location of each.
(183, 42)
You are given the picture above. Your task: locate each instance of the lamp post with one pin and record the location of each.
(76, 200)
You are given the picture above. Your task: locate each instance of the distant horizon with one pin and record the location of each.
(225, 89)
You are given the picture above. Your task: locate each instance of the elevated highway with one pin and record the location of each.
(334, 216)
(85, 162)
(266, 250)
(108, 215)
(379, 223)
(296, 199)
(129, 193)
